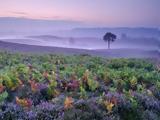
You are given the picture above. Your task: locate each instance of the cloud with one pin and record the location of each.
(18, 13)
(52, 17)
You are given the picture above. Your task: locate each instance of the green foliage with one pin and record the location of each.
(51, 91)
(158, 84)
(22, 69)
(37, 75)
(83, 93)
(90, 80)
(3, 96)
(67, 72)
(79, 70)
(93, 85)
(47, 66)
(10, 80)
(53, 82)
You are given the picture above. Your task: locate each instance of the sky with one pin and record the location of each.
(114, 13)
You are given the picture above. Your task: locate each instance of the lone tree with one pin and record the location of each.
(109, 37)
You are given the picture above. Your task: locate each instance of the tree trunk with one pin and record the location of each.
(108, 44)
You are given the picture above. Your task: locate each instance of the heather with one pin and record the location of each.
(79, 87)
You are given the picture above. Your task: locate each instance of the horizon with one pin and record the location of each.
(122, 13)
(80, 24)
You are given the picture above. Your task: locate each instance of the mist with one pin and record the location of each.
(73, 34)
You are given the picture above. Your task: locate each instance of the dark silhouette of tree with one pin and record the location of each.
(109, 37)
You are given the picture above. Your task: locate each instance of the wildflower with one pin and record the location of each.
(1, 88)
(24, 102)
(68, 103)
(149, 92)
(34, 85)
(45, 74)
(109, 106)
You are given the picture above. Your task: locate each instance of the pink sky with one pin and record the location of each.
(96, 12)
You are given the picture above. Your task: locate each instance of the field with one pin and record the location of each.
(80, 87)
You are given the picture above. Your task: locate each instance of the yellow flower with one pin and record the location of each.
(109, 106)
(24, 102)
(149, 92)
(133, 81)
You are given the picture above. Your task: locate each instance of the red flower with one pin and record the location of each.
(34, 85)
(1, 88)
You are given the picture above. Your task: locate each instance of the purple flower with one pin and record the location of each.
(31, 115)
(46, 106)
(149, 102)
(149, 115)
(42, 86)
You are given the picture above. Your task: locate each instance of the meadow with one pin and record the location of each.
(78, 87)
